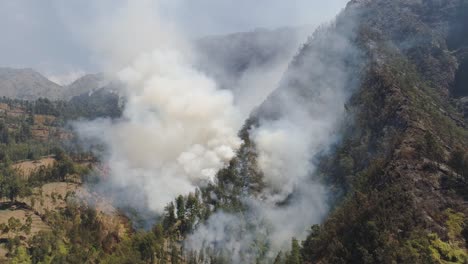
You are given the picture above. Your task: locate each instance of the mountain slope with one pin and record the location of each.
(398, 173)
(401, 161)
(227, 58)
(27, 84)
(388, 76)
(85, 84)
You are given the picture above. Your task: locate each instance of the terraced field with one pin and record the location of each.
(26, 168)
(20, 214)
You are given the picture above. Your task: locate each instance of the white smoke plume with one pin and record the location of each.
(176, 132)
(179, 128)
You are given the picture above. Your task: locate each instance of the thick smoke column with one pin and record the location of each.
(178, 129)
(176, 132)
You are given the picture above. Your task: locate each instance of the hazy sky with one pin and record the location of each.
(45, 34)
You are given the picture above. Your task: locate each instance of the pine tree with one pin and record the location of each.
(169, 216)
(295, 257)
(180, 202)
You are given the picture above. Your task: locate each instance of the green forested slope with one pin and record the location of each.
(403, 162)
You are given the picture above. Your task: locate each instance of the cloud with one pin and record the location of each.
(207, 17)
(34, 35)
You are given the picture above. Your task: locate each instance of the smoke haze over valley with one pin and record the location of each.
(180, 121)
(157, 131)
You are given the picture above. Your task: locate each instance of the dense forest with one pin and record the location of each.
(398, 175)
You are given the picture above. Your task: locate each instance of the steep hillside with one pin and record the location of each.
(103, 102)
(371, 138)
(85, 84)
(398, 173)
(27, 84)
(397, 170)
(403, 161)
(43, 201)
(227, 58)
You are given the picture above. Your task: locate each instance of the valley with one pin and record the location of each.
(341, 143)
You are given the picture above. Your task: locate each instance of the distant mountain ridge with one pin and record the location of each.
(227, 57)
(220, 57)
(85, 84)
(27, 84)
